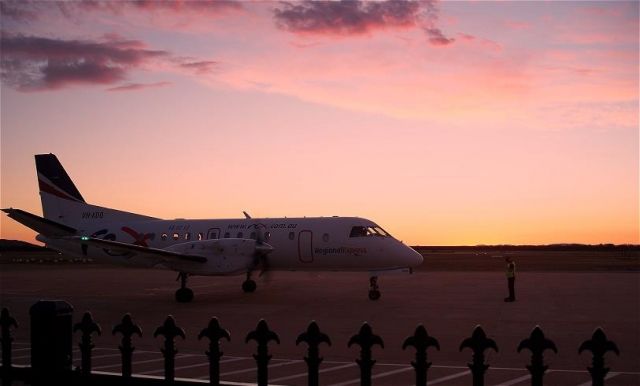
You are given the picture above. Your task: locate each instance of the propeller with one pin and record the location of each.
(262, 250)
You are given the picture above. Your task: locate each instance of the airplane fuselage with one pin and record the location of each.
(306, 243)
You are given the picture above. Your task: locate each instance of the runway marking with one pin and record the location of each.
(75, 351)
(21, 349)
(357, 380)
(516, 380)
(449, 377)
(190, 366)
(254, 369)
(106, 356)
(608, 376)
(139, 362)
(320, 371)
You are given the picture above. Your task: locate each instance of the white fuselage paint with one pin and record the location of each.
(307, 243)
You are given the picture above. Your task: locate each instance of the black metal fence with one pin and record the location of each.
(52, 331)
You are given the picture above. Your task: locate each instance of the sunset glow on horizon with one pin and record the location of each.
(447, 123)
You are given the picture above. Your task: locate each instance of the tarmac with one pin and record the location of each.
(568, 306)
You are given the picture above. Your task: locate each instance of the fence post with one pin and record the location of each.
(598, 345)
(366, 340)
(537, 343)
(127, 328)
(313, 337)
(262, 335)
(169, 330)
(215, 333)
(87, 326)
(6, 322)
(51, 342)
(478, 342)
(421, 341)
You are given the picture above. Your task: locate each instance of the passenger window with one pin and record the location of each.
(200, 236)
(267, 236)
(292, 235)
(187, 236)
(240, 235)
(325, 237)
(227, 235)
(176, 236)
(164, 237)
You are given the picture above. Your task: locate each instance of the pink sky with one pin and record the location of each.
(445, 122)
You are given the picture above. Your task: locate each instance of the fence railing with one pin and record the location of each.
(52, 333)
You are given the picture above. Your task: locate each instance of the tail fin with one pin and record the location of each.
(62, 201)
(53, 179)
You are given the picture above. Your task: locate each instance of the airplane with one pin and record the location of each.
(208, 247)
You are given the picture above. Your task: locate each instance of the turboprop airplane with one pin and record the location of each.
(208, 247)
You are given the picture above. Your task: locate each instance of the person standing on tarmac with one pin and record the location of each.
(511, 279)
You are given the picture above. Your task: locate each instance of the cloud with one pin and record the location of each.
(18, 11)
(214, 6)
(345, 17)
(437, 38)
(138, 86)
(200, 67)
(168, 11)
(356, 17)
(31, 63)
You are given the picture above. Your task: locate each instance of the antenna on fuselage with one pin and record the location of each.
(246, 215)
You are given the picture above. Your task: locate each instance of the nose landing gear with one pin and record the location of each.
(249, 285)
(374, 291)
(183, 294)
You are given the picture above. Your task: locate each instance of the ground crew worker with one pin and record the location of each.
(511, 279)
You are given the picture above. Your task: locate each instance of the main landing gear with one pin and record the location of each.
(374, 290)
(249, 285)
(183, 294)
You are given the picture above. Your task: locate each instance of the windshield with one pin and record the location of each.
(368, 231)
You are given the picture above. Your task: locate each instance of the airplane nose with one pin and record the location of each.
(415, 259)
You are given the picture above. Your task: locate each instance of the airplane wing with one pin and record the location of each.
(41, 225)
(54, 230)
(138, 250)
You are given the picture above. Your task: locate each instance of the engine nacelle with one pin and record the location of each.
(224, 256)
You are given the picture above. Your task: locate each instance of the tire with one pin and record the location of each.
(374, 295)
(184, 295)
(249, 286)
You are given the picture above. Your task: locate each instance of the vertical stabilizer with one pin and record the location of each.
(53, 179)
(62, 201)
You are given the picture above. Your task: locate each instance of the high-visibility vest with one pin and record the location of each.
(511, 270)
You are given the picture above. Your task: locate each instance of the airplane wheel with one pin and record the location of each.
(249, 286)
(374, 294)
(184, 295)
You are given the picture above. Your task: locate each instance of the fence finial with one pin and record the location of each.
(598, 345)
(6, 322)
(421, 341)
(313, 338)
(170, 331)
(537, 343)
(127, 328)
(478, 342)
(366, 339)
(87, 326)
(215, 333)
(262, 335)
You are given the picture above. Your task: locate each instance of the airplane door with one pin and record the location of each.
(305, 246)
(213, 233)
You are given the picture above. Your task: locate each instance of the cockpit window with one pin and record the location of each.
(362, 231)
(358, 232)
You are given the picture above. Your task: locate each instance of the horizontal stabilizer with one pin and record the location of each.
(138, 250)
(41, 225)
